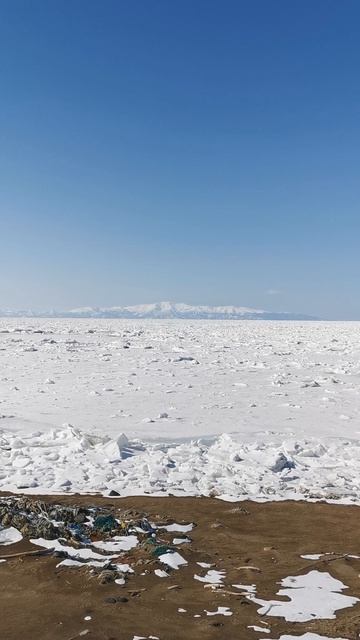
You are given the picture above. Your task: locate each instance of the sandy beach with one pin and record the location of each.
(250, 544)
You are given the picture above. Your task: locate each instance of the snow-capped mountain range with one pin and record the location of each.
(161, 310)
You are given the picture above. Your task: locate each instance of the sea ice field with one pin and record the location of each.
(235, 409)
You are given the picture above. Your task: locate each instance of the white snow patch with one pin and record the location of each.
(173, 560)
(178, 528)
(117, 543)
(125, 568)
(75, 554)
(313, 596)
(10, 535)
(221, 611)
(247, 589)
(160, 573)
(212, 577)
(178, 541)
(305, 636)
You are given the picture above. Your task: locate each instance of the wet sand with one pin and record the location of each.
(41, 602)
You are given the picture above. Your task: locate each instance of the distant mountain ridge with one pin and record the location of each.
(161, 310)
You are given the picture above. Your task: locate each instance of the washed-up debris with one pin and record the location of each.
(105, 523)
(33, 518)
(92, 536)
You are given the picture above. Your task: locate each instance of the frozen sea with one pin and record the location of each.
(236, 409)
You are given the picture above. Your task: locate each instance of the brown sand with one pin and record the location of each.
(40, 602)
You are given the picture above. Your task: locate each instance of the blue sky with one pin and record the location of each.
(197, 151)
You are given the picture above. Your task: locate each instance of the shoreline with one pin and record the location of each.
(252, 543)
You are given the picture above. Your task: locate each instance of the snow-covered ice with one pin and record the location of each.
(266, 410)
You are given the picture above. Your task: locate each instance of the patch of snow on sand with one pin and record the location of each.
(173, 560)
(305, 636)
(313, 596)
(68, 562)
(177, 528)
(117, 543)
(178, 541)
(10, 535)
(221, 611)
(75, 554)
(318, 556)
(212, 577)
(246, 589)
(125, 568)
(160, 573)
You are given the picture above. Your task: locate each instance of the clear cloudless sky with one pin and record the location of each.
(194, 150)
